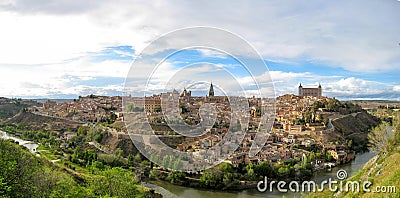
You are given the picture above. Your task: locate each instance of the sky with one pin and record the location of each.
(70, 48)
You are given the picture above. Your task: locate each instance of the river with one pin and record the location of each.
(351, 168)
(28, 144)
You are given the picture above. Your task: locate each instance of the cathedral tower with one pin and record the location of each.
(211, 91)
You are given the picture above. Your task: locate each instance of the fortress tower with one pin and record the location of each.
(314, 92)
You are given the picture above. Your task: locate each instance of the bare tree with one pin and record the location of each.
(379, 138)
(396, 128)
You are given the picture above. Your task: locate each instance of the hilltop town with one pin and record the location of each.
(310, 132)
(303, 123)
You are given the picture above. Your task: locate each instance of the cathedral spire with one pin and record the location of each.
(211, 91)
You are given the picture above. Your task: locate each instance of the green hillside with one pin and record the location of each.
(22, 174)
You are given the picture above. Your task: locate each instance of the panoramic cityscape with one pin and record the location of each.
(199, 99)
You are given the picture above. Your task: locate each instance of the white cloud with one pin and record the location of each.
(61, 78)
(43, 43)
(333, 86)
(280, 76)
(212, 53)
(356, 35)
(356, 88)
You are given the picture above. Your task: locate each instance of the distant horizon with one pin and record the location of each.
(384, 100)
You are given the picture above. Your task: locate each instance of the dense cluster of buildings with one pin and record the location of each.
(296, 120)
(90, 108)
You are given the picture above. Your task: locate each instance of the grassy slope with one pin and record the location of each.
(51, 177)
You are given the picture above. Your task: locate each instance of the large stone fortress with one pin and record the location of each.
(314, 92)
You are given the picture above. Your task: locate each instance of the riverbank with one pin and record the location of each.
(226, 177)
(182, 191)
(31, 146)
(379, 177)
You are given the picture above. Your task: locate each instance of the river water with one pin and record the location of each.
(28, 144)
(351, 168)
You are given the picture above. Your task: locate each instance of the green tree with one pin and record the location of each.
(328, 157)
(350, 144)
(176, 176)
(138, 158)
(211, 179)
(250, 166)
(112, 118)
(283, 172)
(250, 174)
(5, 189)
(318, 155)
(131, 160)
(227, 179)
(227, 168)
(24, 175)
(312, 156)
(130, 107)
(18, 169)
(264, 169)
(305, 173)
(115, 182)
(154, 174)
(68, 188)
(82, 131)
